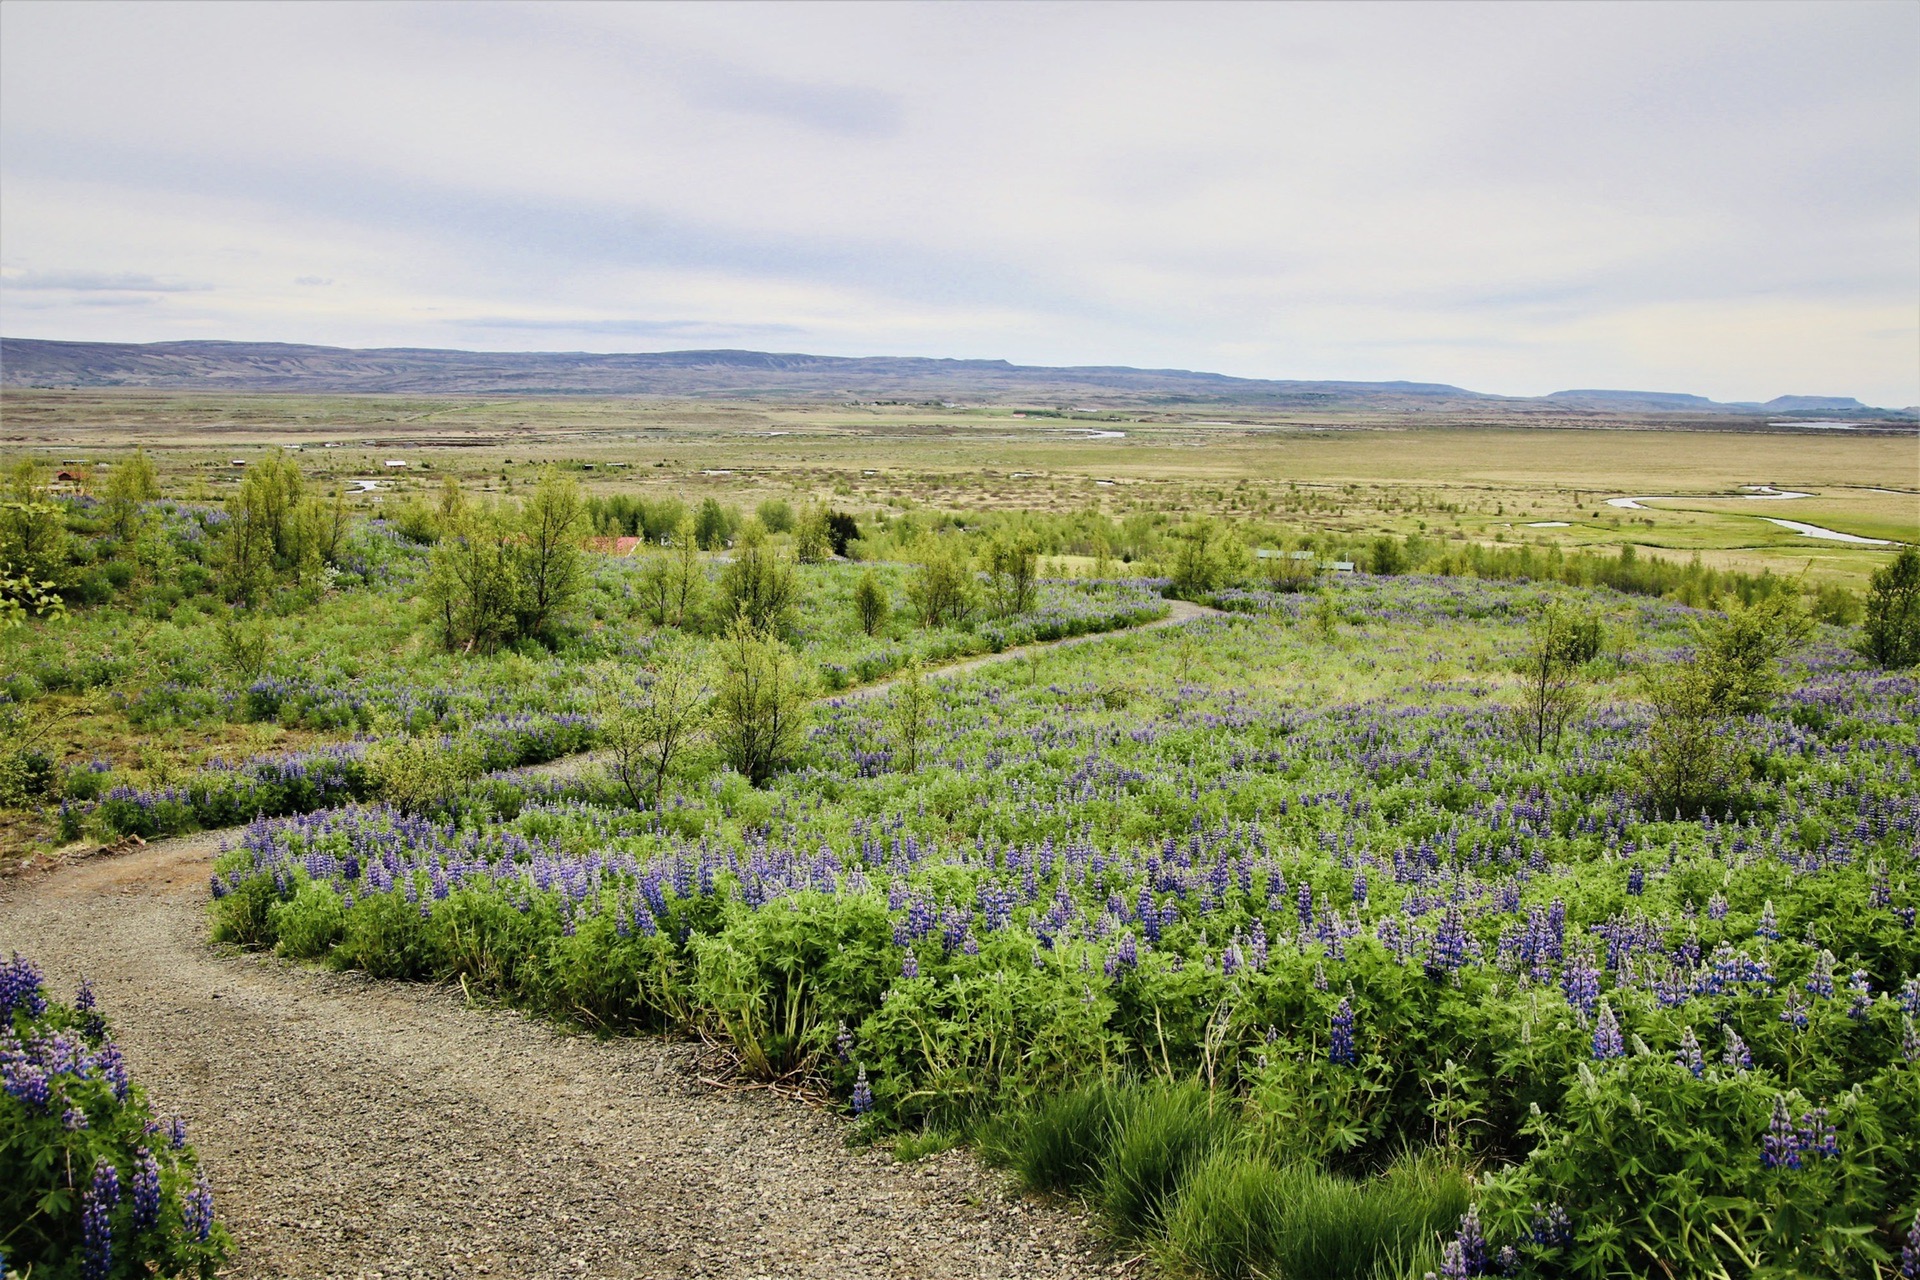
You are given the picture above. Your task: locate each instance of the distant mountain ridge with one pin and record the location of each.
(289, 367)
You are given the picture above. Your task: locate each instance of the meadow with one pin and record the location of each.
(1493, 908)
(1474, 479)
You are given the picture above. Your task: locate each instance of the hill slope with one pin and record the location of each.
(286, 367)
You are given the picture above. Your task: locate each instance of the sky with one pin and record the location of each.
(1721, 199)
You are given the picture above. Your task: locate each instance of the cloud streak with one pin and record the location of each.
(1714, 197)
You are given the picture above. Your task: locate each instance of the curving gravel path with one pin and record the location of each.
(361, 1128)
(372, 1129)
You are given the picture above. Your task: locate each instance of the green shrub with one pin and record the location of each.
(74, 1131)
(307, 926)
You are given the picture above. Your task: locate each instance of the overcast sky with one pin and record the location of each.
(1715, 198)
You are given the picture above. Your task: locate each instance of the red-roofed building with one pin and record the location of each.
(614, 546)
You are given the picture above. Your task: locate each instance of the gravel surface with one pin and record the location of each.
(372, 1129)
(360, 1128)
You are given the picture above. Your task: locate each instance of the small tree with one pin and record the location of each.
(776, 514)
(907, 714)
(812, 541)
(1891, 632)
(674, 581)
(870, 603)
(470, 585)
(842, 529)
(1206, 559)
(1012, 563)
(713, 526)
(319, 533)
(760, 710)
(546, 554)
(758, 586)
(1388, 555)
(33, 539)
(942, 586)
(648, 724)
(1692, 758)
(246, 642)
(132, 483)
(261, 540)
(1559, 645)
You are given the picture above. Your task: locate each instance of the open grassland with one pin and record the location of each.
(1335, 475)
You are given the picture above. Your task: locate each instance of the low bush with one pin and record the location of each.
(91, 1182)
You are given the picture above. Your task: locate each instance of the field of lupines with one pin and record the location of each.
(348, 662)
(1268, 934)
(96, 1186)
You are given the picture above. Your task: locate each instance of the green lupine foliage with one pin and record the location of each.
(69, 1110)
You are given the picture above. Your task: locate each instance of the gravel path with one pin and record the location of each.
(360, 1128)
(375, 1129)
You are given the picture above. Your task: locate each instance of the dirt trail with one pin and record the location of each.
(375, 1129)
(360, 1128)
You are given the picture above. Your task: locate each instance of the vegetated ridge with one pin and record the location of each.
(287, 367)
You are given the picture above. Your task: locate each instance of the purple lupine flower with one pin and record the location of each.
(1636, 881)
(910, 965)
(843, 1042)
(1340, 1044)
(1909, 1039)
(1820, 981)
(74, 1118)
(1910, 1256)
(1862, 988)
(1360, 888)
(1305, 904)
(1769, 926)
(177, 1133)
(1449, 949)
(1817, 1134)
(1736, 1055)
(1717, 907)
(146, 1190)
(1552, 1228)
(1780, 1148)
(1607, 1042)
(862, 1093)
(1580, 982)
(1473, 1242)
(1453, 1266)
(83, 998)
(1690, 1054)
(20, 988)
(1795, 1011)
(113, 1065)
(1910, 996)
(96, 1222)
(197, 1210)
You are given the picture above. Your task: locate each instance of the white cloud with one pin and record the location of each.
(1715, 198)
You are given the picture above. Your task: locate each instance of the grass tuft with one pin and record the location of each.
(1239, 1216)
(1162, 1132)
